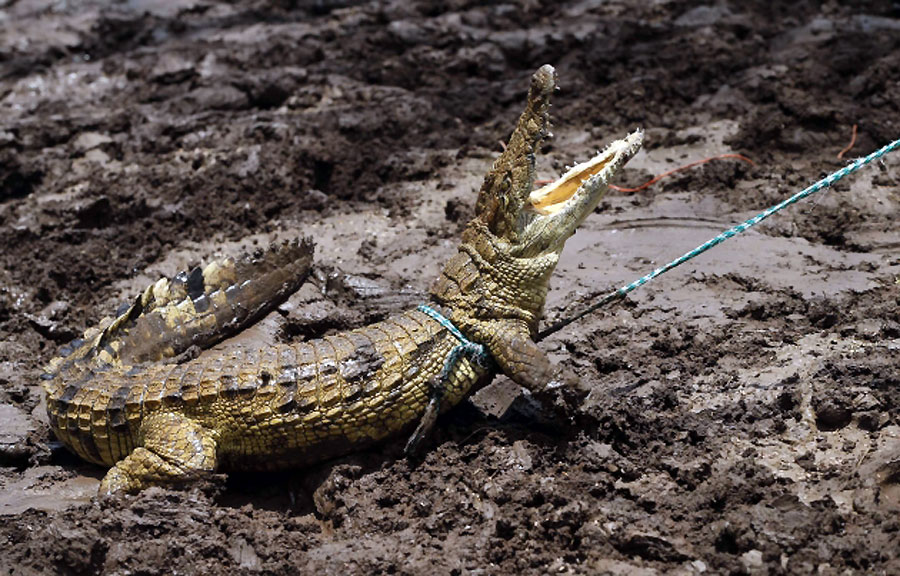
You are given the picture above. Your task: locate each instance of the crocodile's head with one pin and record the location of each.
(511, 247)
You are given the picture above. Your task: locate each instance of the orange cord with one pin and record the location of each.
(850, 145)
(670, 172)
(681, 169)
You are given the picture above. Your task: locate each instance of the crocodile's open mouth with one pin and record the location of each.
(551, 198)
(553, 212)
(597, 171)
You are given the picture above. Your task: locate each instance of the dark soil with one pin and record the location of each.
(739, 415)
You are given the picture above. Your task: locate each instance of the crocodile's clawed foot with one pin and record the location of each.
(176, 451)
(116, 481)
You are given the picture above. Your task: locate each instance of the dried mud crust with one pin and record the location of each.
(740, 417)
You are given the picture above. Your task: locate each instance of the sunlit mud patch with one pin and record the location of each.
(49, 488)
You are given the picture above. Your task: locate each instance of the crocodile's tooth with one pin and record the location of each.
(210, 273)
(178, 286)
(161, 291)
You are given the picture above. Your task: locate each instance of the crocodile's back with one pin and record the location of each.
(269, 406)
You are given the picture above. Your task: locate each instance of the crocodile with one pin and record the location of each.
(166, 392)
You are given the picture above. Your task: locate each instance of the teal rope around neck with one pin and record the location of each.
(734, 231)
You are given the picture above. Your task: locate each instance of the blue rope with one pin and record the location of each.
(466, 347)
(734, 231)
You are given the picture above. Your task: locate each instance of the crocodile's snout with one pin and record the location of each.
(543, 81)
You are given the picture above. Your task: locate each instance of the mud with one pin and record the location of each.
(738, 415)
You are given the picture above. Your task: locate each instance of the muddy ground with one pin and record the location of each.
(738, 415)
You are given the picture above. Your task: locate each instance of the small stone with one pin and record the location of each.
(89, 140)
(243, 554)
(218, 98)
(650, 547)
(173, 70)
(831, 416)
(871, 420)
(520, 457)
(363, 287)
(752, 560)
(495, 400)
(15, 426)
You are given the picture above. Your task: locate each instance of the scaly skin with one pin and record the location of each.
(161, 396)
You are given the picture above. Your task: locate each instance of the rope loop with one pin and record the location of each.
(466, 348)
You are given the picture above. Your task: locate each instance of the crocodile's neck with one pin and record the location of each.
(486, 282)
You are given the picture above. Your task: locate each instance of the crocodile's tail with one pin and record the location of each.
(197, 308)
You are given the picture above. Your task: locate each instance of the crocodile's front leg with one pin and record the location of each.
(175, 450)
(517, 355)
